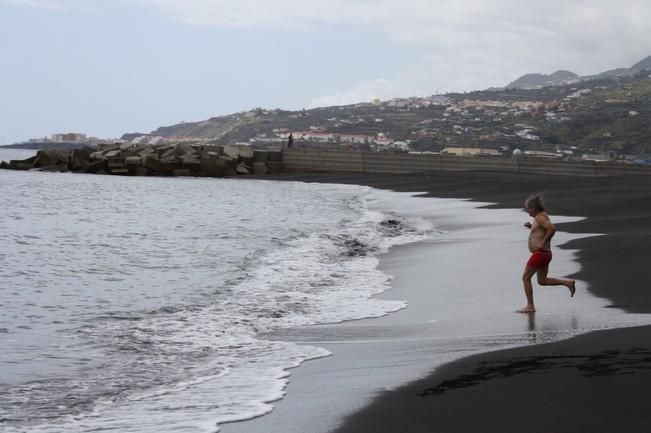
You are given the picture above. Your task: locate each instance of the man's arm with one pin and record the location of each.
(549, 228)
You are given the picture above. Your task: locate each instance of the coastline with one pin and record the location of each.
(618, 207)
(560, 395)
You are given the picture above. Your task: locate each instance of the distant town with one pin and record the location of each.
(67, 140)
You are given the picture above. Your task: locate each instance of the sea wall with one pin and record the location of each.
(221, 161)
(299, 160)
(145, 160)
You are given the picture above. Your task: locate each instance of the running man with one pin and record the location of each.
(542, 231)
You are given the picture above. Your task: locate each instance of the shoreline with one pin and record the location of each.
(618, 207)
(295, 410)
(597, 381)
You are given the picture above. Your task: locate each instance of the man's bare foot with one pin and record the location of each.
(572, 288)
(526, 309)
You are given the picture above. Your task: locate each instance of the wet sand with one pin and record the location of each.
(594, 382)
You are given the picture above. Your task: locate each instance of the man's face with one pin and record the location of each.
(531, 211)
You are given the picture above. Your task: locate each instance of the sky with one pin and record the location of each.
(107, 67)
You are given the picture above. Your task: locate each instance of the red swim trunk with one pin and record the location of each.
(539, 259)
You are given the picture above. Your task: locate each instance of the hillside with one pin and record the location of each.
(587, 117)
(561, 78)
(642, 64)
(536, 81)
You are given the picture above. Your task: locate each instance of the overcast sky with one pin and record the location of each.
(106, 67)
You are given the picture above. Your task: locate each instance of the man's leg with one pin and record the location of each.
(528, 289)
(544, 280)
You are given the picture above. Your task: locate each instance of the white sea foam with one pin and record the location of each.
(190, 352)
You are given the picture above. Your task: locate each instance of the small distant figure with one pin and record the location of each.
(542, 231)
(290, 141)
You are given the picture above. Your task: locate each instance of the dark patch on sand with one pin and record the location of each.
(605, 363)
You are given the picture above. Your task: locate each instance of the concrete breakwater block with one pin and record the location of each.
(168, 166)
(238, 151)
(217, 149)
(151, 162)
(260, 168)
(50, 157)
(275, 156)
(260, 156)
(242, 168)
(190, 161)
(182, 172)
(18, 165)
(133, 160)
(96, 166)
(116, 163)
(120, 171)
(25, 164)
(113, 154)
(213, 166)
(58, 168)
(80, 159)
(275, 167)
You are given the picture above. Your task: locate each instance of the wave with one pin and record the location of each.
(210, 362)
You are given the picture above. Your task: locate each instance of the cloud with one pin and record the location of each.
(244, 13)
(572, 32)
(454, 45)
(363, 91)
(584, 35)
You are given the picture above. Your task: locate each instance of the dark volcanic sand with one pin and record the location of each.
(598, 382)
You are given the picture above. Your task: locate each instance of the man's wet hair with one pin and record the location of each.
(536, 201)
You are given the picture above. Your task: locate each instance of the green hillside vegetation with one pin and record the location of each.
(616, 119)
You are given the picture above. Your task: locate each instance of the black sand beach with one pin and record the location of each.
(596, 382)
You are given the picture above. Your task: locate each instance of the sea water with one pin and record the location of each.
(138, 304)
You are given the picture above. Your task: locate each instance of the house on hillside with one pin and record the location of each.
(471, 151)
(319, 137)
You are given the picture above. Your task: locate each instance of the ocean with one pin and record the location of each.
(142, 304)
(139, 304)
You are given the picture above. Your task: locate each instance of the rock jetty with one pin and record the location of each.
(129, 159)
